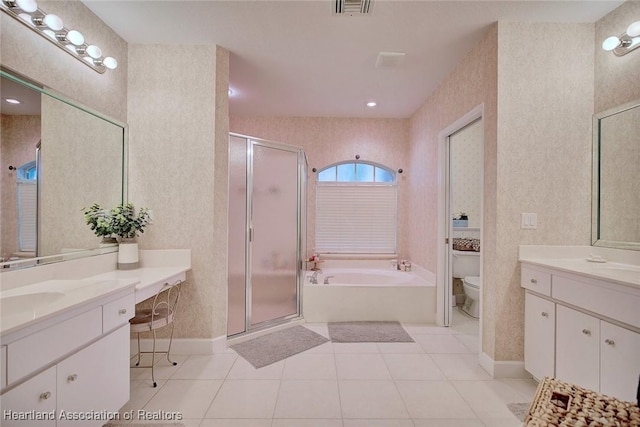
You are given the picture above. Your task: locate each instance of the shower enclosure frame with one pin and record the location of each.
(301, 193)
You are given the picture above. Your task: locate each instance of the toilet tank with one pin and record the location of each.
(466, 263)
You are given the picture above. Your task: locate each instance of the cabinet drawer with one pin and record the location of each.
(601, 300)
(36, 350)
(118, 312)
(536, 281)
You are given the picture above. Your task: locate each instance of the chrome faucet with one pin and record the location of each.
(326, 280)
(313, 279)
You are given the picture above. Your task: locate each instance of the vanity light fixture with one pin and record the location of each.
(626, 42)
(12, 101)
(51, 27)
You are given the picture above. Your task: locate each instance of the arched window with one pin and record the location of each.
(356, 209)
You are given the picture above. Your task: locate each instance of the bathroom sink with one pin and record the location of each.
(24, 303)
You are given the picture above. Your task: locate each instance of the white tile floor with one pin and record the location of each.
(433, 382)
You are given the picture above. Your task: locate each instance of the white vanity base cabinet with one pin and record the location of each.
(577, 347)
(96, 377)
(582, 330)
(619, 361)
(539, 332)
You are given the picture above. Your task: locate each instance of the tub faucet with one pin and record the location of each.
(326, 280)
(313, 279)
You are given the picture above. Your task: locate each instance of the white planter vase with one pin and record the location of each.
(128, 256)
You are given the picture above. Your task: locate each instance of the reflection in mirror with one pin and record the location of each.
(57, 158)
(616, 198)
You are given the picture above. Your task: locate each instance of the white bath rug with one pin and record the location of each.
(368, 332)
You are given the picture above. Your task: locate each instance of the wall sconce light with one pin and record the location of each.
(51, 27)
(626, 42)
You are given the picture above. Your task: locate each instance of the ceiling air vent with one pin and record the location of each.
(353, 7)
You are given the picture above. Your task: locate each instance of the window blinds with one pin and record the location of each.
(356, 218)
(27, 203)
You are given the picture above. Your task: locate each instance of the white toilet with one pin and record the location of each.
(466, 266)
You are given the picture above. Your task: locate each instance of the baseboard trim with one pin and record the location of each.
(503, 368)
(183, 345)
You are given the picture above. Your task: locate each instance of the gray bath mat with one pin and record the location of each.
(268, 349)
(520, 410)
(368, 332)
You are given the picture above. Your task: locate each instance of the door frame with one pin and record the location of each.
(444, 277)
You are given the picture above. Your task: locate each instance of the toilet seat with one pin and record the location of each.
(473, 281)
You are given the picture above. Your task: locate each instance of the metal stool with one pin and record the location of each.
(161, 314)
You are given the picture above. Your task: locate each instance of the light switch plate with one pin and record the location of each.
(529, 221)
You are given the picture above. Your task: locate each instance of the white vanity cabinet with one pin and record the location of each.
(74, 365)
(582, 330)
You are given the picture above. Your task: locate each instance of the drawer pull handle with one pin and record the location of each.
(610, 342)
(534, 281)
(45, 395)
(586, 332)
(71, 378)
(544, 314)
(122, 311)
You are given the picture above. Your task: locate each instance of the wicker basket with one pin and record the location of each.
(561, 404)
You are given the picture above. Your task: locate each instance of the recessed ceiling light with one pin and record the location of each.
(12, 101)
(371, 104)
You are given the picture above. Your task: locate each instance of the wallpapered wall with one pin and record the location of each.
(545, 106)
(466, 172)
(18, 138)
(177, 144)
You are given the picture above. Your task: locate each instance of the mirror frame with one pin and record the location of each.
(595, 211)
(42, 260)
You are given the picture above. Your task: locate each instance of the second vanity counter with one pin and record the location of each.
(581, 319)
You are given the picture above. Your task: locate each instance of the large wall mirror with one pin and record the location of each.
(616, 177)
(56, 158)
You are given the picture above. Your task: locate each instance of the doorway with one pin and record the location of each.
(266, 228)
(461, 160)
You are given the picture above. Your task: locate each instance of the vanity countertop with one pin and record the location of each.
(574, 260)
(24, 307)
(39, 302)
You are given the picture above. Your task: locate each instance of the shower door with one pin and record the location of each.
(265, 240)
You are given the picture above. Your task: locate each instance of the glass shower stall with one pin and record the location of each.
(267, 217)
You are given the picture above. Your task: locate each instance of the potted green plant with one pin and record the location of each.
(99, 220)
(126, 224)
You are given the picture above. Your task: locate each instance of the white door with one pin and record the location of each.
(539, 336)
(619, 361)
(577, 348)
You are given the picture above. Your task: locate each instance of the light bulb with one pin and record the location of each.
(110, 63)
(51, 34)
(371, 104)
(75, 37)
(53, 21)
(26, 18)
(611, 43)
(94, 51)
(27, 5)
(12, 101)
(633, 30)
